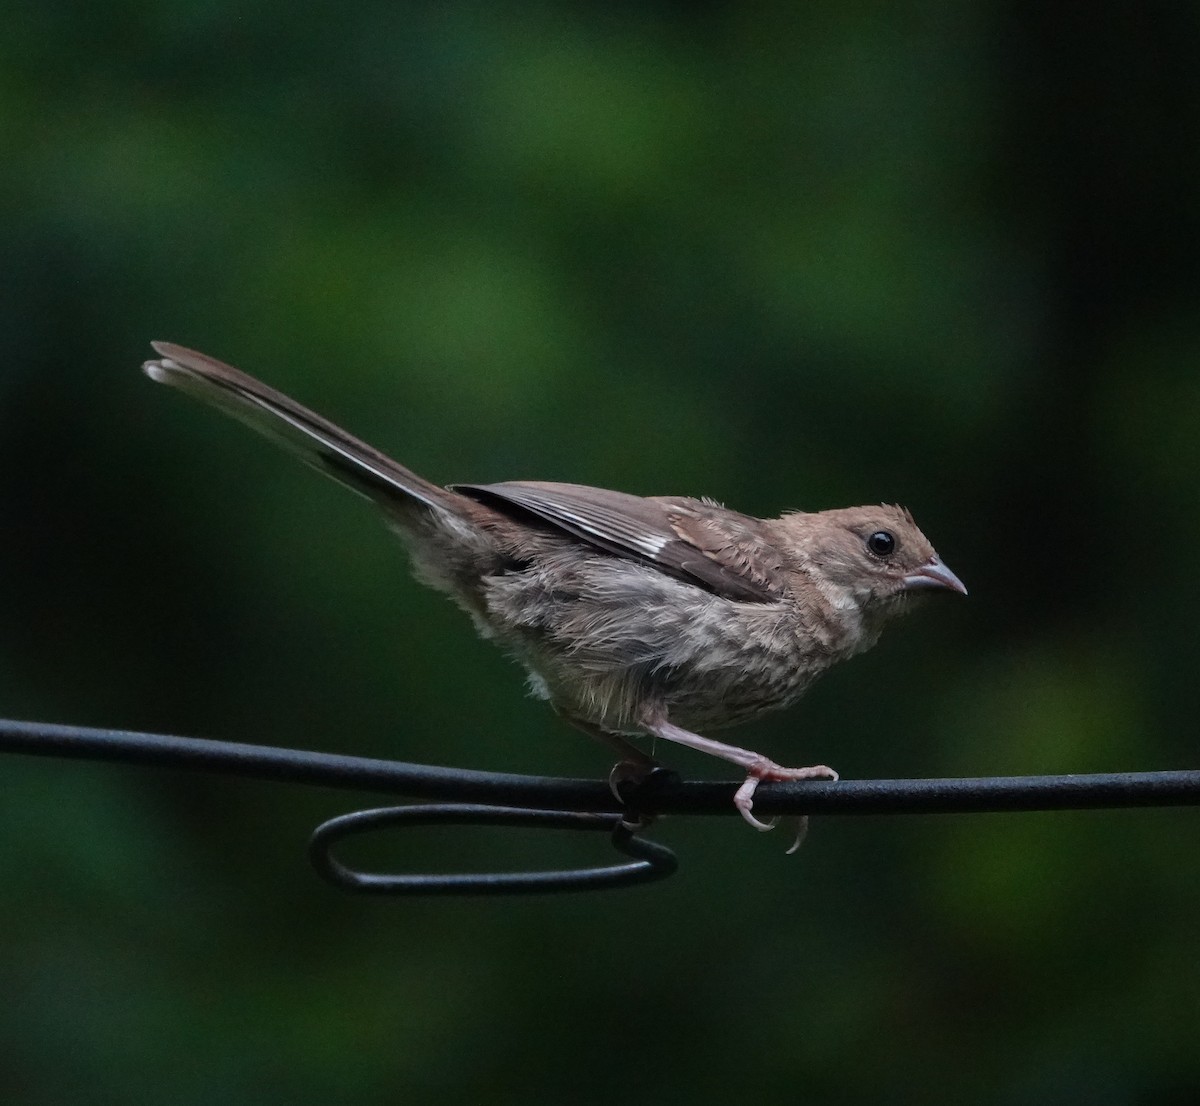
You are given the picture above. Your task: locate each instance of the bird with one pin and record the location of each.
(658, 616)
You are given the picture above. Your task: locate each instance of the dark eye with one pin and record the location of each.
(881, 543)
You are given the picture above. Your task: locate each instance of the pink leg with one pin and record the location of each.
(758, 768)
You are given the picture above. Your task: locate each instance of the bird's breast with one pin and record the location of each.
(611, 640)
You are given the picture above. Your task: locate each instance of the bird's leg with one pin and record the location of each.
(757, 766)
(634, 765)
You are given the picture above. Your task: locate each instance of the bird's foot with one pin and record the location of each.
(635, 783)
(757, 767)
(627, 774)
(764, 769)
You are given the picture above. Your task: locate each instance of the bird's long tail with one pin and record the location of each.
(315, 440)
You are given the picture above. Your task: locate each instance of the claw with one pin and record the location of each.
(633, 782)
(634, 822)
(801, 834)
(743, 799)
(616, 777)
(626, 772)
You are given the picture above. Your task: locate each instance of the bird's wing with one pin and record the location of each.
(700, 542)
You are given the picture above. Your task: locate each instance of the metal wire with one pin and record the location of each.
(495, 798)
(651, 860)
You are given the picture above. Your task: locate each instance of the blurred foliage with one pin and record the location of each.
(784, 255)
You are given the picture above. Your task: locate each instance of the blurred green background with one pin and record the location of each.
(784, 255)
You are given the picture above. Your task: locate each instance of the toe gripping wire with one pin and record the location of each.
(463, 797)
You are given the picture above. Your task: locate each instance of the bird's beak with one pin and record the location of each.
(934, 574)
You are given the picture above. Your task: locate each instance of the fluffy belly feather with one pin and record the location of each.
(614, 644)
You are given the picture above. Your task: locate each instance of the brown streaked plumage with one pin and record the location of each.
(652, 615)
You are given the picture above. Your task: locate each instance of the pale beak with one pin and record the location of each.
(934, 574)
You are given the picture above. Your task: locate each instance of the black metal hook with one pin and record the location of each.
(651, 860)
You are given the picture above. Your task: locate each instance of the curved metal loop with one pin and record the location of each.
(651, 860)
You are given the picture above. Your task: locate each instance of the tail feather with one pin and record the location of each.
(317, 441)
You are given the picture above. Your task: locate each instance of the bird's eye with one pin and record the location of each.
(882, 543)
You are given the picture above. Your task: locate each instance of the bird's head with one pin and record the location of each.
(871, 556)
